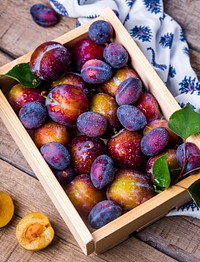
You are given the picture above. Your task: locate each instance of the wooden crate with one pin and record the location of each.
(118, 230)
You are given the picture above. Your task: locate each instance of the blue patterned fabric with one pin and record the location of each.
(162, 41)
(159, 37)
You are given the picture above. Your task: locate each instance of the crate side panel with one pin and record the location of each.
(46, 177)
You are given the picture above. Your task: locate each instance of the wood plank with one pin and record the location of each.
(186, 13)
(28, 34)
(178, 237)
(20, 34)
(195, 61)
(10, 152)
(47, 179)
(4, 59)
(28, 195)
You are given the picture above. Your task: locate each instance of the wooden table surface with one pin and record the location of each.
(169, 239)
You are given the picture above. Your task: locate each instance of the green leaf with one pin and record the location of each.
(194, 191)
(22, 73)
(185, 122)
(161, 174)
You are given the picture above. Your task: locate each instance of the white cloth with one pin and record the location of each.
(162, 41)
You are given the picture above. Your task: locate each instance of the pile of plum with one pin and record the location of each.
(96, 126)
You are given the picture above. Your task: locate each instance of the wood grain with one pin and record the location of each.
(20, 34)
(28, 194)
(177, 237)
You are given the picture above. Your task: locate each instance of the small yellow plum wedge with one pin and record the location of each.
(6, 209)
(34, 231)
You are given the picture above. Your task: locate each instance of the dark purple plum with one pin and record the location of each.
(115, 55)
(65, 176)
(43, 15)
(56, 155)
(33, 115)
(84, 50)
(96, 71)
(100, 32)
(102, 171)
(155, 141)
(131, 117)
(50, 61)
(103, 213)
(188, 154)
(129, 91)
(92, 124)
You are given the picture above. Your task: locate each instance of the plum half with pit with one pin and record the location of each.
(65, 103)
(50, 60)
(34, 231)
(6, 208)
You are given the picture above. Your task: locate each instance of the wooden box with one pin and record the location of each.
(118, 230)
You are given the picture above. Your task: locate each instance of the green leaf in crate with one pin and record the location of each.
(23, 75)
(161, 174)
(194, 191)
(185, 122)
